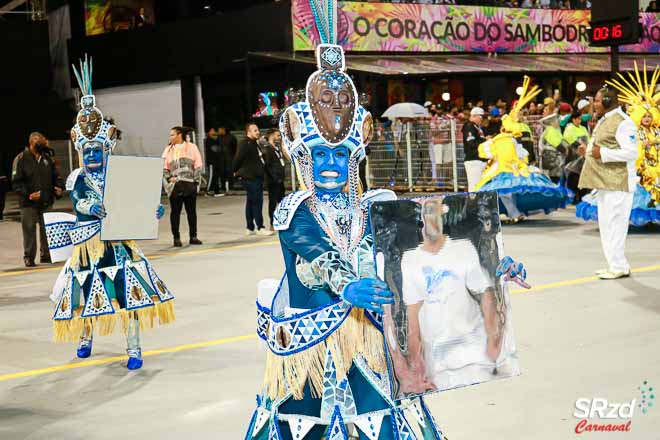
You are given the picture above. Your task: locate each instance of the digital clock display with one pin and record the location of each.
(614, 33)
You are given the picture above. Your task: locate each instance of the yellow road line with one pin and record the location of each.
(579, 280)
(228, 340)
(111, 359)
(154, 257)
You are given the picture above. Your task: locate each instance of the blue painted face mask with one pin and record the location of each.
(93, 158)
(330, 168)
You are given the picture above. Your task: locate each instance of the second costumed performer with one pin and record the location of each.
(326, 370)
(522, 190)
(103, 282)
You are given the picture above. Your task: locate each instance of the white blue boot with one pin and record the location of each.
(134, 359)
(84, 348)
(133, 345)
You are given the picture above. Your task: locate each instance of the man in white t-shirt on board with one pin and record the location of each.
(455, 333)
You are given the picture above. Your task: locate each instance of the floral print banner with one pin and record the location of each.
(392, 27)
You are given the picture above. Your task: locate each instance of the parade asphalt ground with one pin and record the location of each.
(578, 337)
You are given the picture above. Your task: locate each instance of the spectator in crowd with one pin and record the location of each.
(577, 138)
(473, 136)
(549, 106)
(215, 160)
(275, 170)
(527, 140)
(37, 183)
(228, 144)
(585, 107)
(653, 7)
(182, 173)
(565, 111)
(582, 4)
(249, 167)
(553, 147)
(494, 123)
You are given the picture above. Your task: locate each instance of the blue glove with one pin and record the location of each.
(513, 271)
(160, 212)
(98, 210)
(368, 293)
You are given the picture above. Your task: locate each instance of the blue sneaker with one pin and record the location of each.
(134, 359)
(84, 348)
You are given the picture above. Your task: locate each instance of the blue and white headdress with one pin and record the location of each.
(90, 126)
(331, 114)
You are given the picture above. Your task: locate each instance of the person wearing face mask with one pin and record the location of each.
(37, 182)
(274, 168)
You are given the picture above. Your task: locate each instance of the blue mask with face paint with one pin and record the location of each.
(330, 168)
(93, 158)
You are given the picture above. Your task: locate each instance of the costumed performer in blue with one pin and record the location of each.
(522, 189)
(327, 371)
(102, 282)
(638, 92)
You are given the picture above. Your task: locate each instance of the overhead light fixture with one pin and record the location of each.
(519, 91)
(580, 86)
(446, 96)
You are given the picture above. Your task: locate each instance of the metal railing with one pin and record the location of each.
(419, 157)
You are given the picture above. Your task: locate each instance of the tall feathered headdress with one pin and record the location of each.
(331, 113)
(639, 93)
(90, 126)
(510, 122)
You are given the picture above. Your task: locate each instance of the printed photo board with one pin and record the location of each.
(450, 325)
(131, 197)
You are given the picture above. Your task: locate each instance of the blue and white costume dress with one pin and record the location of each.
(327, 368)
(641, 214)
(102, 282)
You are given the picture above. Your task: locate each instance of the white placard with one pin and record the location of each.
(131, 197)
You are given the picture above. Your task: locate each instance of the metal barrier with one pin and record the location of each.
(418, 156)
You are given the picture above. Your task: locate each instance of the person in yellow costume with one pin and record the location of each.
(521, 189)
(638, 92)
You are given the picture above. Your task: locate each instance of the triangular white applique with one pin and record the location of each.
(370, 424)
(136, 296)
(300, 426)
(110, 272)
(81, 276)
(98, 303)
(262, 417)
(418, 413)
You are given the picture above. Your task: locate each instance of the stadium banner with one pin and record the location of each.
(397, 27)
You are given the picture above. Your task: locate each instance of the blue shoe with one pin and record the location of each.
(84, 348)
(134, 359)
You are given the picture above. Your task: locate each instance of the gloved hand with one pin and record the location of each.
(513, 271)
(98, 210)
(160, 212)
(368, 293)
